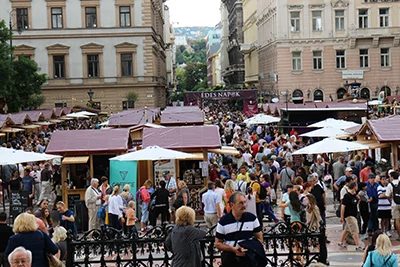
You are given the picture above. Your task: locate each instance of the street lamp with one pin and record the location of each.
(90, 94)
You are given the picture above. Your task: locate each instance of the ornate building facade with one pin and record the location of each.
(112, 48)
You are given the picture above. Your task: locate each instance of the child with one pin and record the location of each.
(131, 219)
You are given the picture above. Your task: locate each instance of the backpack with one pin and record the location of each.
(101, 213)
(142, 196)
(396, 193)
(263, 192)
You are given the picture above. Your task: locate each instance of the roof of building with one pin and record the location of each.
(20, 118)
(133, 117)
(383, 133)
(84, 142)
(183, 137)
(4, 119)
(314, 106)
(182, 115)
(34, 115)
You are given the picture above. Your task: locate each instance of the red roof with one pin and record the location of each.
(133, 117)
(183, 137)
(84, 142)
(34, 115)
(386, 129)
(182, 115)
(20, 118)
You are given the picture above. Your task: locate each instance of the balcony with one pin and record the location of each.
(377, 32)
(248, 48)
(157, 80)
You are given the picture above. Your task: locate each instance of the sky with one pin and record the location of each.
(184, 13)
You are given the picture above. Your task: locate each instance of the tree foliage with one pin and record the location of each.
(20, 82)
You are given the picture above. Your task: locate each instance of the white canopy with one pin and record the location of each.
(12, 156)
(326, 132)
(77, 116)
(333, 123)
(261, 119)
(86, 113)
(331, 145)
(153, 153)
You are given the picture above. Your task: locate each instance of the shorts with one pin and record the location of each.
(145, 213)
(351, 225)
(384, 214)
(171, 201)
(396, 212)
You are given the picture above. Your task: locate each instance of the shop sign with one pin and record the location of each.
(352, 74)
(123, 172)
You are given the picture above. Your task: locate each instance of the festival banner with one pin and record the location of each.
(123, 172)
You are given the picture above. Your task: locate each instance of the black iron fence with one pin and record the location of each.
(284, 244)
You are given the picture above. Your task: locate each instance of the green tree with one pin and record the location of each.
(20, 82)
(195, 76)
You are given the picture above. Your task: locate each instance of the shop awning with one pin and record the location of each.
(55, 121)
(32, 126)
(373, 144)
(225, 150)
(75, 160)
(11, 130)
(197, 156)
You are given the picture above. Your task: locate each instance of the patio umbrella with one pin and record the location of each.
(333, 123)
(261, 119)
(153, 153)
(330, 145)
(77, 116)
(86, 113)
(326, 132)
(12, 156)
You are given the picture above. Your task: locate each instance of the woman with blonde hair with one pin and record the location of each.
(127, 195)
(59, 238)
(229, 189)
(184, 239)
(27, 236)
(382, 255)
(115, 207)
(183, 196)
(313, 216)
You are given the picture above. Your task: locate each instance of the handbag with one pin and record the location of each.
(54, 261)
(178, 202)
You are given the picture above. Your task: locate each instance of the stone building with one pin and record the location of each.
(213, 44)
(112, 48)
(233, 74)
(323, 50)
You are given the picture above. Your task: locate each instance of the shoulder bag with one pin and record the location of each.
(51, 259)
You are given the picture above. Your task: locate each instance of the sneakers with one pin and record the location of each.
(359, 248)
(342, 245)
(364, 237)
(388, 234)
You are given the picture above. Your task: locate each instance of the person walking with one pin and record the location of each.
(393, 191)
(372, 191)
(115, 207)
(184, 239)
(172, 187)
(382, 255)
(384, 206)
(46, 188)
(255, 185)
(287, 176)
(93, 203)
(143, 199)
(212, 202)
(348, 213)
(5, 233)
(161, 204)
(231, 230)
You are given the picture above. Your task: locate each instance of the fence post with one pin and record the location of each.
(70, 247)
(323, 252)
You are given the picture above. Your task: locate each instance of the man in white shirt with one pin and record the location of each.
(391, 192)
(93, 203)
(212, 202)
(35, 174)
(172, 188)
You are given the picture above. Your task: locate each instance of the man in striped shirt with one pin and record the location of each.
(234, 227)
(384, 206)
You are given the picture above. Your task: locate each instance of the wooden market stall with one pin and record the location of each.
(86, 155)
(383, 136)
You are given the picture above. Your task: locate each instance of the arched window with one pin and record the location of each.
(387, 90)
(318, 95)
(365, 93)
(297, 96)
(340, 93)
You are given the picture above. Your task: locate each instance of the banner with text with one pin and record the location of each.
(123, 172)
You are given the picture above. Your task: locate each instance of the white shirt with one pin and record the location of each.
(220, 192)
(115, 205)
(36, 176)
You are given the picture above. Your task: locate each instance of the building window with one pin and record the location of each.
(364, 61)
(340, 93)
(317, 60)
(384, 17)
(56, 18)
(22, 18)
(317, 20)
(385, 57)
(128, 104)
(124, 16)
(318, 95)
(296, 61)
(93, 65)
(363, 18)
(91, 17)
(295, 21)
(126, 65)
(60, 105)
(339, 19)
(340, 59)
(297, 96)
(365, 93)
(59, 66)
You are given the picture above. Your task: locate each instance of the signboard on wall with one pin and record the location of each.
(122, 173)
(352, 74)
(161, 166)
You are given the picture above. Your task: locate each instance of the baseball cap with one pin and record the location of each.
(348, 169)
(165, 173)
(371, 176)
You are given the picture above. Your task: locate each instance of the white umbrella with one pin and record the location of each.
(153, 153)
(330, 145)
(86, 113)
(12, 156)
(333, 123)
(326, 132)
(77, 116)
(105, 123)
(261, 119)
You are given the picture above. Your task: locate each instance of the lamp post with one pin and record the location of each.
(90, 94)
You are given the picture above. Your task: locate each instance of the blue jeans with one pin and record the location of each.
(266, 207)
(145, 213)
(373, 223)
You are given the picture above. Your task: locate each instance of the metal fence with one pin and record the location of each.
(284, 244)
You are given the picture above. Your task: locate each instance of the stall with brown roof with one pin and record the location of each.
(184, 115)
(134, 117)
(86, 155)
